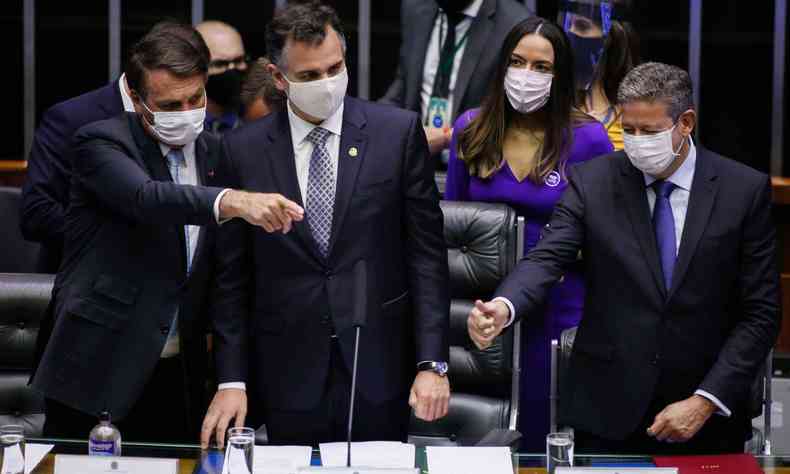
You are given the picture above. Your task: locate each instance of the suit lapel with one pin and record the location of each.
(478, 39)
(283, 164)
(206, 164)
(424, 20)
(703, 194)
(155, 164)
(349, 163)
(635, 200)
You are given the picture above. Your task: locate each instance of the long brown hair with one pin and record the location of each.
(620, 55)
(480, 144)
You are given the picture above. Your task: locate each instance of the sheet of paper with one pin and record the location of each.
(34, 453)
(384, 454)
(472, 460)
(67, 464)
(617, 470)
(276, 459)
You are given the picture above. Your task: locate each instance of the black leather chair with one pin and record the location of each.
(23, 301)
(484, 241)
(16, 254)
(760, 401)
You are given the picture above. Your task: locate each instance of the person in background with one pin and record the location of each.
(682, 283)
(225, 75)
(259, 94)
(443, 66)
(283, 328)
(605, 48)
(130, 300)
(517, 149)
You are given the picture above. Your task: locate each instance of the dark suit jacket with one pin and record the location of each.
(711, 330)
(124, 271)
(489, 29)
(279, 299)
(45, 194)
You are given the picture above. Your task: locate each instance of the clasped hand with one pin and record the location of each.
(486, 321)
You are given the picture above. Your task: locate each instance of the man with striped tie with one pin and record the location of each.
(284, 329)
(129, 303)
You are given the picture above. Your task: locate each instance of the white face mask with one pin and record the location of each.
(527, 90)
(177, 128)
(651, 154)
(321, 98)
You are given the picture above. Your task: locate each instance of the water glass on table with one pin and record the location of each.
(12, 449)
(559, 451)
(239, 451)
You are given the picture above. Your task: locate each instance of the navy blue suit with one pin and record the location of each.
(124, 275)
(279, 300)
(45, 194)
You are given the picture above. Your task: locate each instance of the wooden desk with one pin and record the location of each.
(12, 172)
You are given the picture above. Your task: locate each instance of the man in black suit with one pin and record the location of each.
(128, 301)
(283, 328)
(45, 193)
(443, 57)
(681, 311)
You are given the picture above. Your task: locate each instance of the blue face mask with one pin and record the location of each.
(586, 54)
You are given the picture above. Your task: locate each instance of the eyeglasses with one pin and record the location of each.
(236, 63)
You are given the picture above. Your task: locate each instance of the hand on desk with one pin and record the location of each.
(430, 396)
(486, 321)
(273, 212)
(228, 404)
(680, 421)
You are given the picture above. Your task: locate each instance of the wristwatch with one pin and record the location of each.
(440, 368)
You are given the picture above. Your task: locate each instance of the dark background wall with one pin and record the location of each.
(72, 55)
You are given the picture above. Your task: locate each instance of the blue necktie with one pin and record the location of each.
(664, 227)
(320, 201)
(175, 160)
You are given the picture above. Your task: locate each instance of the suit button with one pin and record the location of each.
(165, 330)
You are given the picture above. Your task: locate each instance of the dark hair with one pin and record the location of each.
(174, 47)
(260, 83)
(480, 144)
(304, 22)
(620, 55)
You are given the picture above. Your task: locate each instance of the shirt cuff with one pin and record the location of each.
(236, 385)
(723, 410)
(216, 206)
(510, 307)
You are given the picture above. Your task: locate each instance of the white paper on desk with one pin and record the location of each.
(34, 453)
(472, 460)
(277, 459)
(68, 464)
(384, 454)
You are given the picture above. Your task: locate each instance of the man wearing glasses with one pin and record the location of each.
(225, 73)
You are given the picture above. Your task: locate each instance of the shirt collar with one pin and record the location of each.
(128, 104)
(301, 128)
(683, 176)
(188, 150)
(473, 9)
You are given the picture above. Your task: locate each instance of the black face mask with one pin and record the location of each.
(586, 54)
(453, 6)
(225, 89)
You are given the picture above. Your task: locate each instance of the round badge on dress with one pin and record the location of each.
(553, 179)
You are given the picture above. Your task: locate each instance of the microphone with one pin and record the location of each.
(359, 317)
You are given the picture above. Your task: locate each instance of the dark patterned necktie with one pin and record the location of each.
(321, 184)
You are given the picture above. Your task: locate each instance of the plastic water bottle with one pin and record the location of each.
(105, 439)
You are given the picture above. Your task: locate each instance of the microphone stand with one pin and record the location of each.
(359, 317)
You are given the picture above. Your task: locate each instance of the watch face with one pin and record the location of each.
(442, 367)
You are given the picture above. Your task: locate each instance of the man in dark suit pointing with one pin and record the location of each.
(283, 326)
(682, 286)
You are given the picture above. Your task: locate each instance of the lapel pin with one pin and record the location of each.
(353, 152)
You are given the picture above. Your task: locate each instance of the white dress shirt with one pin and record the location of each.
(682, 178)
(434, 51)
(303, 149)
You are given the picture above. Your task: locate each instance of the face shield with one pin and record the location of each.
(587, 24)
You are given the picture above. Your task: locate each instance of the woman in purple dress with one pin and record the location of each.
(516, 149)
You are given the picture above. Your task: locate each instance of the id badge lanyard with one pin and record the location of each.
(438, 115)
